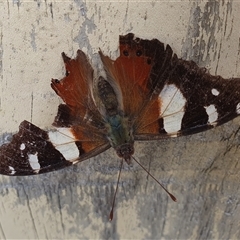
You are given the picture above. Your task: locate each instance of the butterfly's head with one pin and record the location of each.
(125, 151)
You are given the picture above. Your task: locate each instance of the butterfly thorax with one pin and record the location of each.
(120, 136)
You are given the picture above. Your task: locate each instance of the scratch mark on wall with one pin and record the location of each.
(1, 67)
(51, 9)
(30, 212)
(60, 212)
(2, 231)
(238, 54)
(33, 38)
(8, 9)
(31, 117)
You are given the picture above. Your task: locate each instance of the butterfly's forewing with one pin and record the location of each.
(79, 114)
(75, 90)
(167, 96)
(192, 100)
(79, 134)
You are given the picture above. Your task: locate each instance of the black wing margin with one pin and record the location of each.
(210, 100)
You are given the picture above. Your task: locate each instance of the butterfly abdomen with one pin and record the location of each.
(108, 97)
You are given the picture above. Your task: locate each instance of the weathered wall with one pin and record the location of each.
(201, 170)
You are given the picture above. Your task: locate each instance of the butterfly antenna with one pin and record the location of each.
(114, 198)
(171, 196)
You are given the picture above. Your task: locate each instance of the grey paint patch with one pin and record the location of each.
(87, 27)
(205, 21)
(17, 2)
(5, 138)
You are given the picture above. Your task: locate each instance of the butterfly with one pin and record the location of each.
(148, 93)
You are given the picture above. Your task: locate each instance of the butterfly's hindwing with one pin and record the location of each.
(34, 151)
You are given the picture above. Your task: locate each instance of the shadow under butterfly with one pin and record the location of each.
(148, 94)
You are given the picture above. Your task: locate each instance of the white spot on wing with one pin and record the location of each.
(212, 114)
(33, 160)
(215, 92)
(22, 146)
(64, 142)
(172, 108)
(12, 170)
(238, 108)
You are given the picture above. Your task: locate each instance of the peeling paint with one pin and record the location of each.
(206, 21)
(88, 26)
(17, 2)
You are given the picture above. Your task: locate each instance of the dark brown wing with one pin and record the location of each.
(166, 96)
(34, 151)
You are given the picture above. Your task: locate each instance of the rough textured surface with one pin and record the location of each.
(202, 170)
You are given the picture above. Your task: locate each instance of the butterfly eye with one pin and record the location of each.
(125, 53)
(67, 73)
(139, 53)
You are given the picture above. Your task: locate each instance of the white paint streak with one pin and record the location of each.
(215, 92)
(12, 170)
(172, 108)
(212, 114)
(33, 160)
(22, 146)
(64, 142)
(238, 108)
